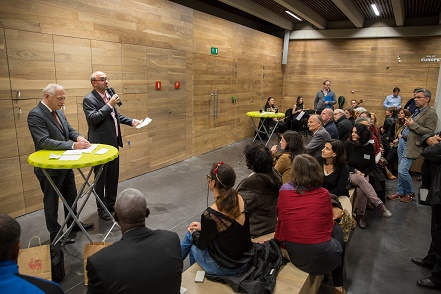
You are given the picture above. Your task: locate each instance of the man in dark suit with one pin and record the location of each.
(10, 280)
(103, 120)
(143, 261)
(50, 130)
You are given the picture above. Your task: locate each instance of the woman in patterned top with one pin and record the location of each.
(220, 243)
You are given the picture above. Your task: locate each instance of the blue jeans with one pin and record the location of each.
(204, 259)
(405, 186)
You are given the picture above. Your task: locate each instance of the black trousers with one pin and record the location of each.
(65, 182)
(434, 254)
(107, 185)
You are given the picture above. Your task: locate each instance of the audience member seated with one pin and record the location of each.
(335, 169)
(10, 280)
(291, 145)
(305, 225)
(221, 242)
(143, 260)
(328, 122)
(271, 123)
(320, 135)
(350, 115)
(344, 126)
(361, 161)
(260, 190)
(291, 122)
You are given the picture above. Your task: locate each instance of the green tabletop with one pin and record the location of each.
(41, 158)
(265, 114)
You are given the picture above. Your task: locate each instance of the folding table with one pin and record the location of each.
(42, 160)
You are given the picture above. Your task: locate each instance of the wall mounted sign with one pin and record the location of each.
(214, 50)
(430, 58)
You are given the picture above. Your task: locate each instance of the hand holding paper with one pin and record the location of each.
(144, 122)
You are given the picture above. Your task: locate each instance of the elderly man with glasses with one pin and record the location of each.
(344, 125)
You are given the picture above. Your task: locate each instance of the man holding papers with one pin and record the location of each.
(103, 120)
(50, 130)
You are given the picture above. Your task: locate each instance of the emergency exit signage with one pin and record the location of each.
(214, 50)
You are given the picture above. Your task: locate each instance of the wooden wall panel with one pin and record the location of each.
(24, 138)
(134, 69)
(11, 198)
(33, 197)
(8, 134)
(31, 62)
(5, 87)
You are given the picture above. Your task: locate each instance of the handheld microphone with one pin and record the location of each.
(111, 92)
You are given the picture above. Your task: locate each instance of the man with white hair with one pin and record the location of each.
(143, 261)
(319, 135)
(344, 125)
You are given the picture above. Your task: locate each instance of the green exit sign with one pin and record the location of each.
(214, 50)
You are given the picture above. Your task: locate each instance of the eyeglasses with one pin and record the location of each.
(101, 79)
(419, 97)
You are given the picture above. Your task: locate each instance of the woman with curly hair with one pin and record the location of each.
(291, 144)
(220, 243)
(360, 156)
(260, 190)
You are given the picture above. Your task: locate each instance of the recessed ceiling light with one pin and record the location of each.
(374, 7)
(293, 15)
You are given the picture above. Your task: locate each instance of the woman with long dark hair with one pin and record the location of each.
(221, 241)
(361, 161)
(291, 144)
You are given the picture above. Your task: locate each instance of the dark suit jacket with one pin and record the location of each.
(143, 261)
(47, 134)
(100, 122)
(315, 146)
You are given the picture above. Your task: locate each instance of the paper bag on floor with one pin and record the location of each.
(91, 249)
(35, 261)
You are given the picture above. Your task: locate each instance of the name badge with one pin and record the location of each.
(367, 156)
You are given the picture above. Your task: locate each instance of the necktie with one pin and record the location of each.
(115, 122)
(54, 114)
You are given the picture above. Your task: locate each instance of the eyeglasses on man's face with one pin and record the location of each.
(419, 97)
(103, 79)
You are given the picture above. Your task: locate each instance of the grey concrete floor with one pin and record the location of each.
(377, 259)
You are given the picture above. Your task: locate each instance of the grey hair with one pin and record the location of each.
(426, 92)
(50, 89)
(318, 118)
(341, 111)
(132, 203)
(362, 119)
(360, 109)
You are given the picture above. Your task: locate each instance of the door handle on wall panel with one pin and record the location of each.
(217, 103)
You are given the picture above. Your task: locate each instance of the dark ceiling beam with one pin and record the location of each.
(398, 7)
(351, 11)
(305, 12)
(259, 11)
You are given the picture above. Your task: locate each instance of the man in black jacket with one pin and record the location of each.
(432, 155)
(344, 125)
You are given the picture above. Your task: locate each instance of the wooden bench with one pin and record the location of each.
(289, 280)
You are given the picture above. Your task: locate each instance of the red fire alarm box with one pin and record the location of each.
(158, 85)
(177, 85)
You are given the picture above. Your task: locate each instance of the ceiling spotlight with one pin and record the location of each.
(374, 7)
(293, 15)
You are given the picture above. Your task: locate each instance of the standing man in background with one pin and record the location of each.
(103, 120)
(325, 98)
(50, 130)
(393, 99)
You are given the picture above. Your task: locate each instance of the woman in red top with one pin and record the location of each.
(305, 226)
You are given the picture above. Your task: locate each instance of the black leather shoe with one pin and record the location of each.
(87, 227)
(427, 283)
(420, 262)
(104, 215)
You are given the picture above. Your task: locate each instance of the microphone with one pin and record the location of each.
(111, 92)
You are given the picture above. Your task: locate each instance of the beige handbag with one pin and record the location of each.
(91, 249)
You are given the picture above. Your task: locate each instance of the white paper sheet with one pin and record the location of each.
(145, 122)
(102, 151)
(90, 149)
(299, 117)
(73, 152)
(70, 157)
(54, 156)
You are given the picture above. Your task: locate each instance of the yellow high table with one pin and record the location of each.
(263, 116)
(42, 160)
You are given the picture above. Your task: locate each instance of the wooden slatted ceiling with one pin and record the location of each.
(384, 6)
(279, 9)
(420, 8)
(327, 9)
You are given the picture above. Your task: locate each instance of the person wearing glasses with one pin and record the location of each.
(422, 121)
(103, 121)
(220, 243)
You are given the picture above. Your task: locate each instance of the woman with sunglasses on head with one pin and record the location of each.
(360, 156)
(220, 243)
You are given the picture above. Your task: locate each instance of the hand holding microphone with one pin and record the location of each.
(112, 93)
